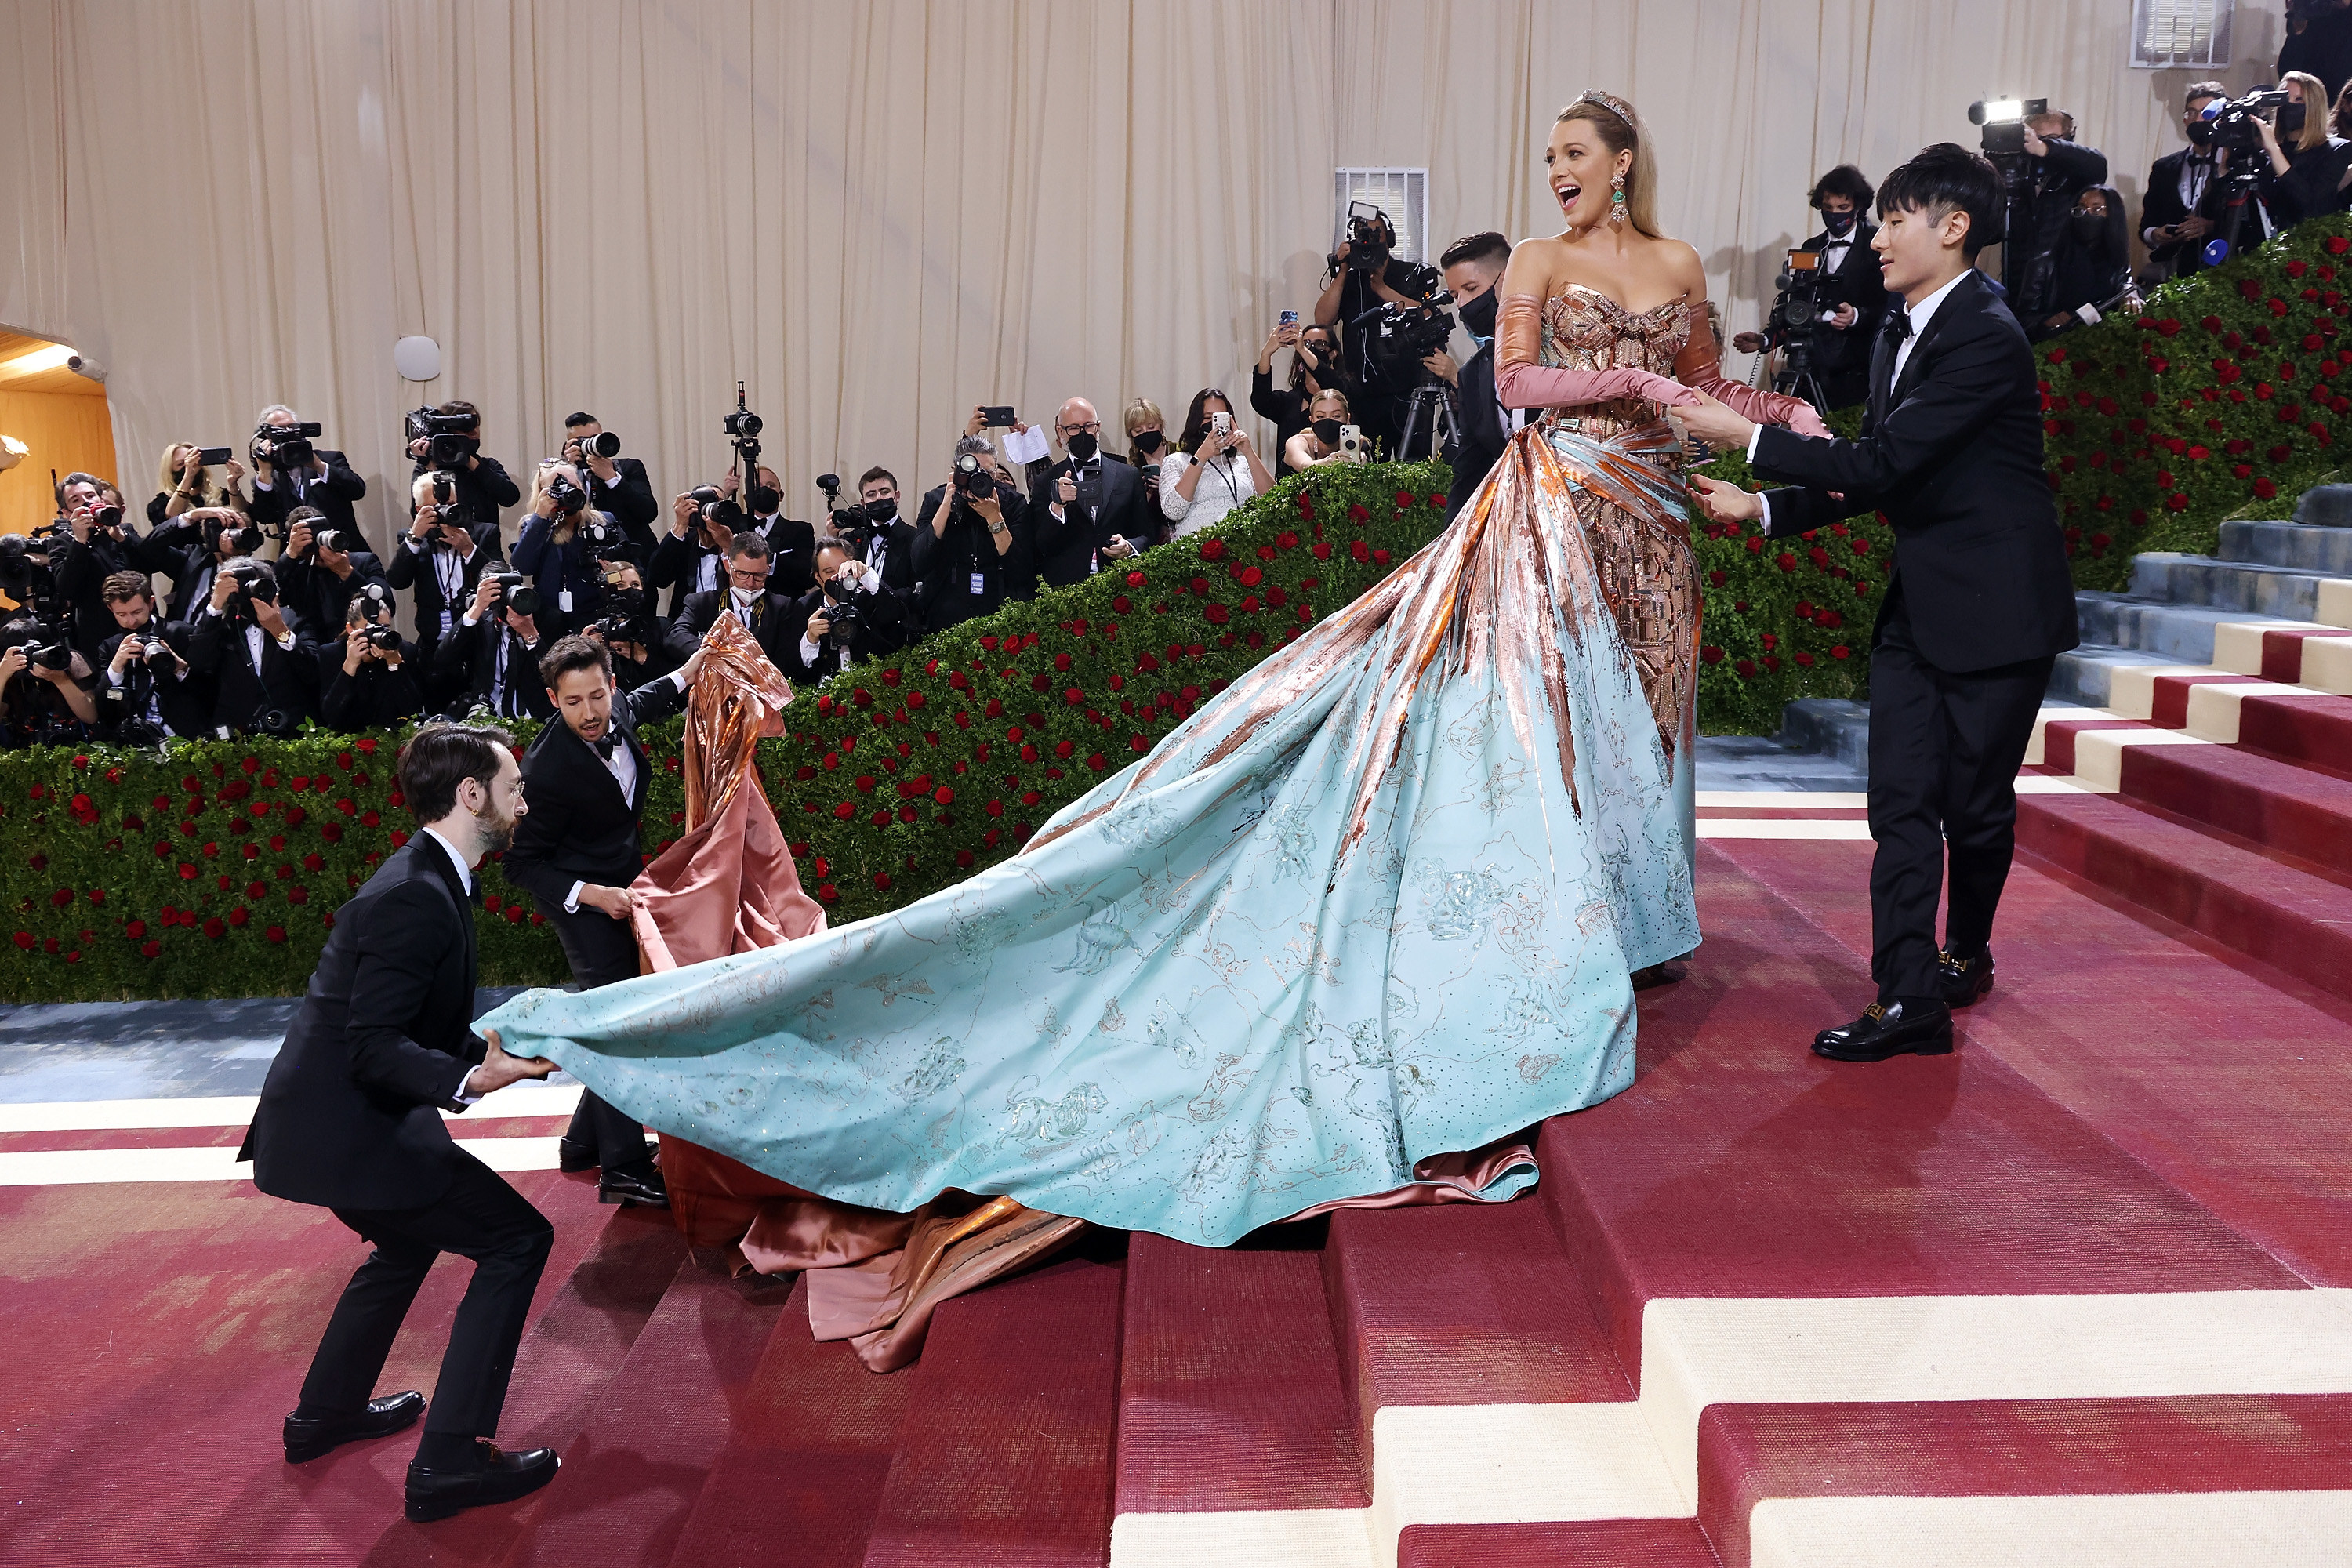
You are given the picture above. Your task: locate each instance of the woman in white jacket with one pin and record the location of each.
(1214, 469)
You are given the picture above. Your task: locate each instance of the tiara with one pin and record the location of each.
(1610, 101)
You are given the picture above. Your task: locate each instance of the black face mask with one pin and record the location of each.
(2201, 132)
(1838, 224)
(764, 500)
(1149, 441)
(2090, 226)
(1478, 315)
(882, 511)
(2290, 120)
(1328, 432)
(1083, 447)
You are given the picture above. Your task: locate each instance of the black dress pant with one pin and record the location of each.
(480, 1217)
(602, 950)
(1943, 755)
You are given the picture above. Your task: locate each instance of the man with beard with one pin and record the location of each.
(350, 1119)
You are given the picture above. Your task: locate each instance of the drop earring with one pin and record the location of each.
(1616, 198)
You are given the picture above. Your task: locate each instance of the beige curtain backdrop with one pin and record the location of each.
(878, 215)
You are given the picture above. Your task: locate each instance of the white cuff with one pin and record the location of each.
(1753, 437)
(469, 620)
(572, 898)
(467, 1093)
(809, 652)
(261, 484)
(1764, 518)
(679, 676)
(287, 642)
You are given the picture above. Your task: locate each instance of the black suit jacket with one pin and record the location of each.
(884, 626)
(1110, 501)
(945, 563)
(377, 697)
(1479, 433)
(677, 565)
(316, 599)
(579, 828)
(413, 568)
(630, 500)
(2162, 208)
(332, 492)
(468, 658)
(791, 556)
(1952, 454)
(350, 1113)
(700, 613)
(182, 696)
(288, 680)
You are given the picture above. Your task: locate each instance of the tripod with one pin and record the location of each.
(1436, 397)
(1797, 376)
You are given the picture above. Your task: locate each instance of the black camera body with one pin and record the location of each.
(286, 447)
(570, 499)
(154, 648)
(342, 541)
(515, 592)
(451, 435)
(842, 615)
(384, 639)
(1397, 338)
(253, 588)
(2236, 120)
(245, 538)
(1801, 294)
(600, 532)
(56, 654)
(972, 480)
(1368, 246)
(24, 568)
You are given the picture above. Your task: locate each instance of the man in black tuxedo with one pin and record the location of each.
(1852, 294)
(1086, 510)
(767, 616)
(264, 675)
(577, 853)
(491, 661)
(145, 696)
(204, 541)
(325, 480)
(367, 677)
(792, 540)
(101, 540)
(320, 570)
(1977, 604)
(824, 640)
(350, 1119)
(480, 485)
(692, 557)
(616, 485)
(1482, 426)
(441, 559)
(2173, 221)
(881, 538)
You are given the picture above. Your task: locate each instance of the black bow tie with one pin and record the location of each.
(605, 743)
(1898, 324)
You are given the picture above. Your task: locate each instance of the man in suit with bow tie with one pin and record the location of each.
(1979, 602)
(349, 1119)
(745, 589)
(578, 852)
(1852, 289)
(1087, 510)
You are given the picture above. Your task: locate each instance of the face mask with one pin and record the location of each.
(2201, 132)
(1083, 447)
(2089, 226)
(1838, 224)
(1328, 432)
(1478, 315)
(882, 511)
(1149, 441)
(2290, 119)
(764, 500)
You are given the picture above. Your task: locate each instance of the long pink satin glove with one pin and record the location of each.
(1546, 386)
(1765, 407)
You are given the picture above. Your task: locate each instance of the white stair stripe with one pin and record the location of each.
(2335, 602)
(525, 1099)
(2214, 706)
(2179, 1530)
(2327, 665)
(1782, 827)
(2238, 645)
(2099, 754)
(2131, 688)
(1497, 1463)
(1783, 799)
(82, 1167)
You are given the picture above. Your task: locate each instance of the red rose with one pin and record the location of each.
(62, 897)
(1250, 577)
(1379, 557)
(882, 818)
(1096, 761)
(312, 862)
(1747, 669)
(1711, 655)
(1135, 579)
(1064, 748)
(2265, 487)
(1359, 550)
(882, 879)
(298, 895)
(845, 811)
(1217, 615)
(187, 872)
(278, 933)
(828, 893)
(1788, 562)
(25, 940)
(943, 795)
(1358, 514)
(1323, 549)
(150, 949)
(1840, 651)
(215, 928)
(1212, 550)
(996, 808)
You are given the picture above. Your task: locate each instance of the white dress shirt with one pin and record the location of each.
(622, 766)
(467, 1093)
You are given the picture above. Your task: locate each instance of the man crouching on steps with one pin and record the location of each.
(349, 1119)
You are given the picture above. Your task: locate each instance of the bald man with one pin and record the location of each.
(1087, 511)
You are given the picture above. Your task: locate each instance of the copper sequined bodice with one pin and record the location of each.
(1584, 329)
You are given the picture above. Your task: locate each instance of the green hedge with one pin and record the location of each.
(214, 868)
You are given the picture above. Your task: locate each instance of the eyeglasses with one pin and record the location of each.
(1093, 426)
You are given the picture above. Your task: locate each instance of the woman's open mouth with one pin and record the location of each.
(1567, 194)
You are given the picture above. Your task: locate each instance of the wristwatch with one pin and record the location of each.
(998, 526)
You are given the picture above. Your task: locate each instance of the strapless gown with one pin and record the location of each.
(1371, 910)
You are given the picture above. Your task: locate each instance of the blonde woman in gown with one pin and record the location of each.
(1341, 936)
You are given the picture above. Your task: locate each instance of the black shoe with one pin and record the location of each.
(1963, 982)
(1671, 972)
(309, 1437)
(1880, 1033)
(438, 1494)
(571, 1154)
(633, 1190)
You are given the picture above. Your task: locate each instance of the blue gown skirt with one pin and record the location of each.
(1375, 903)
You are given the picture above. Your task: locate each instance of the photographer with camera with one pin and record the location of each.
(2043, 192)
(766, 615)
(216, 536)
(792, 543)
(1384, 299)
(628, 627)
(186, 476)
(99, 541)
(290, 472)
(1147, 444)
(1474, 266)
(367, 677)
(264, 677)
(692, 556)
(2305, 166)
(1314, 366)
(491, 659)
(44, 697)
(1085, 512)
(1214, 469)
(977, 548)
(1834, 309)
(851, 616)
(150, 691)
(448, 438)
(2174, 222)
(320, 570)
(616, 486)
(2093, 279)
(563, 545)
(441, 559)
(874, 532)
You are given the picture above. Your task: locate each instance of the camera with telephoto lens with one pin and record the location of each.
(342, 541)
(243, 539)
(55, 654)
(842, 617)
(383, 639)
(712, 508)
(603, 444)
(1368, 245)
(155, 649)
(972, 478)
(600, 532)
(2237, 121)
(450, 436)
(285, 446)
(515, 592)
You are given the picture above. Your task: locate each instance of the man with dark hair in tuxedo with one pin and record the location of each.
(885, 541)
(851, 616)
(481, 485)
(263, 674)
(616, 485)
(322, 566)
(577, 853)
(146, 694)
(350, 1119)
(1977, 604)
(745, 589)
(1852, 294)
(2173, 219)
(491, 661)
(1482, 426)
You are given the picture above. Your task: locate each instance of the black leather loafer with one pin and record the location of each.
(1877, 1034)
(438, 1494)
(1963, 982)
(571, 1154)
(633, 1191)
(307, 1438)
